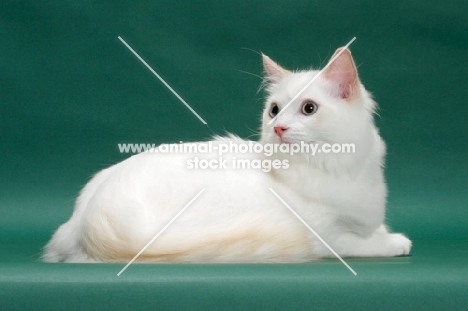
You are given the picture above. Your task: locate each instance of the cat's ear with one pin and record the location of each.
(275, 72)
(342, 71)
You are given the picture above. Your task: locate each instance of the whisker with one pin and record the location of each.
(249, 73)
(256, 52)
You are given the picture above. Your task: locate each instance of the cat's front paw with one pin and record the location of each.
(400, 245)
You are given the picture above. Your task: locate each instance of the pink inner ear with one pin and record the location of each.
(273, 70)
(342, 71)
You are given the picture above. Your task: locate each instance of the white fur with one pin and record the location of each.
(237, 219)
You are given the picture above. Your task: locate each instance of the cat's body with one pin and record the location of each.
(238, 218)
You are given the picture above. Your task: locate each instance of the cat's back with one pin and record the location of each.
(127, 204)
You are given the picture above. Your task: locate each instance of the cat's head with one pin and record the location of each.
(334, 108)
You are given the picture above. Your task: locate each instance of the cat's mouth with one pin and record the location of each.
(285, 140)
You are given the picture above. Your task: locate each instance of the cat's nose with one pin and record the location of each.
(279, 130)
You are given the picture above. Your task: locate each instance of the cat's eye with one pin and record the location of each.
(274, 110)
(309, 107)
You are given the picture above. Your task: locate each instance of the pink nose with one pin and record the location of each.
(279, 130)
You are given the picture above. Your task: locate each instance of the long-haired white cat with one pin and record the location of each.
(342, 196)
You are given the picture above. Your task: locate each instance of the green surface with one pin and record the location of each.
(70, 91)
(433, 278)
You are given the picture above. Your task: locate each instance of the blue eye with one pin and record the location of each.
(309, 108)
(274, 110)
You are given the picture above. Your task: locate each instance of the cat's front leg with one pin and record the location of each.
(361, 208)
(380, 243)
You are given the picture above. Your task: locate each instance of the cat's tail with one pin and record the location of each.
(65, 246)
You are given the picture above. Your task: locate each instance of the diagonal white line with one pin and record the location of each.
(160, 232)
(162, 80)
(312, 230)
(311, 81)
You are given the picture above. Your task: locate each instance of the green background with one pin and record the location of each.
(70, 91)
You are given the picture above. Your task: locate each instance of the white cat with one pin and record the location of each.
(237, 218)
